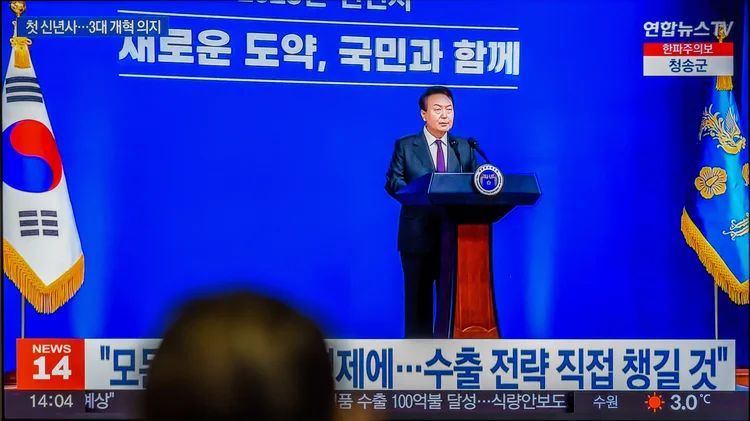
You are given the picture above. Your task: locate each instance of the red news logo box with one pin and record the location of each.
(50, 364)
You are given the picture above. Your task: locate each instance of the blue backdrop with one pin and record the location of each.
(181, 186)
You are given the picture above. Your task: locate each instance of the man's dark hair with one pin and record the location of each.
(433, 90)
(240, 356)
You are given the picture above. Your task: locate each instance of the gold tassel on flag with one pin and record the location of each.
(723, 83)
(45, 299)
(20, 44)
(21, 56)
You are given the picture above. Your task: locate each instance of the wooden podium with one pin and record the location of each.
(466, 300)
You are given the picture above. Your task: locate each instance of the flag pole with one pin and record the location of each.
(723, 83)
(23, 317)
(716, 311)
(18, 7)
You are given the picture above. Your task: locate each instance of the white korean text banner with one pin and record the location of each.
(475, 364)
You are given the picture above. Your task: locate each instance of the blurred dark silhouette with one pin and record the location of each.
(241, 356)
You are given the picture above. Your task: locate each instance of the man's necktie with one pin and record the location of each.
(440, 157)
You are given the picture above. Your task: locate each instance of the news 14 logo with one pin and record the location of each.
(50, 364)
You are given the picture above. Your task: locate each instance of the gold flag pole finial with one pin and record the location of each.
(723, 83)
(20, 44)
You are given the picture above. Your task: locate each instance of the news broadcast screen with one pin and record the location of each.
(489, 210)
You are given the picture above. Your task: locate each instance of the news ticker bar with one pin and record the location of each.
(416, 405)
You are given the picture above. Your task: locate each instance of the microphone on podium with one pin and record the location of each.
(475, 145)
(454, 146)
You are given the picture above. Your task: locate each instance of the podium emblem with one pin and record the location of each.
(488, 180)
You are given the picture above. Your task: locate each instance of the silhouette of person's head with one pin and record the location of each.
(240, 356)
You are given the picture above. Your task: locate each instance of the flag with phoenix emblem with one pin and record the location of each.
(715, 216)
(42, 252)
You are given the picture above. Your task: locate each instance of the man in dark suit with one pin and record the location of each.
(433, 149)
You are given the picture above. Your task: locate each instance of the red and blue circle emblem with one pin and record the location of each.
(31, 160)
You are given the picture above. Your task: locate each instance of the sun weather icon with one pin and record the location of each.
(654, 402)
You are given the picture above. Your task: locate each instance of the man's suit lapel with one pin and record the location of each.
(422, 151)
